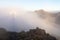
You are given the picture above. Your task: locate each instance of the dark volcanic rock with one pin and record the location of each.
(32, 34)
(35, 34)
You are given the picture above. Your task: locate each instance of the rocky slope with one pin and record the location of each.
(32, 34)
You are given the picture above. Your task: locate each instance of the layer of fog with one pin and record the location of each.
(25, 20)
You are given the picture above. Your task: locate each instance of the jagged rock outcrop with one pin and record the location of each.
(35, 34)
(32, 34)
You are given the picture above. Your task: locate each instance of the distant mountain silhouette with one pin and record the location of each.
(52, 17)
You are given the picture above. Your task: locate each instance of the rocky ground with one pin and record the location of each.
(32, 34)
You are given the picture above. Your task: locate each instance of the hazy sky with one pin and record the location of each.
(32, 4)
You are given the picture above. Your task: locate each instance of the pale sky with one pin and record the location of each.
(32, 4)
